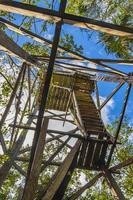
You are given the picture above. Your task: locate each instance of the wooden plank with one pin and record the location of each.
(97, 152)
(82, 22)
(103, 155)
(32, 180)
(7, 44)
(90, 153)
(82, 154)
(116, 191)
(64, 100)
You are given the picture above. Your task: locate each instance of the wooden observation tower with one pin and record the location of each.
(64, 93)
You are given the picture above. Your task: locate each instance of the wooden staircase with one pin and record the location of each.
(74, 92)
(92, 153)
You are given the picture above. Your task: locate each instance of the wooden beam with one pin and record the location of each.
(57, 180)
(120, 122)
(82, 22)
(8, 106)
(46, 86)
(116, 191)
(19, 169)
(61, 190)
(92, 182)
(123, 164)
(12, 153)
(51, 158)
(104, 60)
(40, 39)
(82, 67)
(32, 181)
(111, 95)
(7, 44)
(85, 187)
(43, 40)
(60, 140)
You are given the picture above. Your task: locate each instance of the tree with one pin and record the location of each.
(116, 12)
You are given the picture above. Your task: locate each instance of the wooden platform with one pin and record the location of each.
(73, 92)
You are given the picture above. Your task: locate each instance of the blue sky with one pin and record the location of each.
(92, 49)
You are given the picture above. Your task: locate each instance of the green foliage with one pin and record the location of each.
(117, 12)
(4, 92)
(68, 42)
(35, 49)
(10, 187)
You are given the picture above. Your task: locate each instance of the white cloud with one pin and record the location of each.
(106, 110)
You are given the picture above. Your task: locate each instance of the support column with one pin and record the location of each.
(46, 89)
(32, 183)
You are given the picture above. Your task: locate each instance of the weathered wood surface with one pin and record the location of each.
(5, 168)
(57, 180)
(87, 110)
(38, 38)
(93, 153)
(61, 87)
(38, 12)
(7, 44)
(94, 156)
(32, 181)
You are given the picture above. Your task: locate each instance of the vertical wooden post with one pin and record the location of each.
(32, 183)
(45, 89)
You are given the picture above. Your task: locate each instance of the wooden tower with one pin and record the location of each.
(64, 93)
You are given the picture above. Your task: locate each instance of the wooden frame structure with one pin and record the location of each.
(56, 187)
